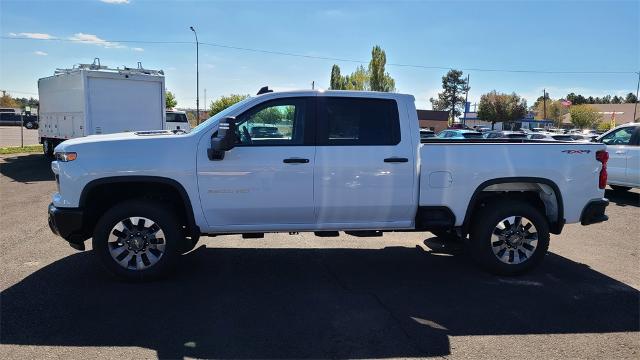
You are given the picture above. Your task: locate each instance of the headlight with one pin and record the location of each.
(66, 156)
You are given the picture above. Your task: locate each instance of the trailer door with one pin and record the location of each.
(120, 105)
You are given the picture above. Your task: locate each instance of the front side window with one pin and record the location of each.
(618, 137)
(277, 122)
(359, 121)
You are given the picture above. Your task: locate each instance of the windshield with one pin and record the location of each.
(220, 115)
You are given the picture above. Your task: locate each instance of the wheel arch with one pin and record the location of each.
(152, 185)
(552, 203)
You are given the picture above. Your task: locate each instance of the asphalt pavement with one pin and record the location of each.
(11, 136)
(299, 296)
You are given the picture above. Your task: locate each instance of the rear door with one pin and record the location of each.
(119, 105)
(364, 174)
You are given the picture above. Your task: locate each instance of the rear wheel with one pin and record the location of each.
(620, 188)
(509, 237)
(138, 240)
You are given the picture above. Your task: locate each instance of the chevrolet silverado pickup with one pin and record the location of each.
(340, 161)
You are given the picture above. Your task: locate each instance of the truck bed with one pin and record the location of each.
(452, 171)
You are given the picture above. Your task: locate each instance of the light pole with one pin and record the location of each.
(197, 76)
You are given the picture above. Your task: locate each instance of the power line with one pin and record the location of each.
(285, 53)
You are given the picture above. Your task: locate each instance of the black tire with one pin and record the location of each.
(620, 188)
(158, 213)
(47, 148)
(482, 245)
(29, 125)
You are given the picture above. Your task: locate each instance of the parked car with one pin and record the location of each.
(30, 121)
(582, 137)
(264, 132)
(481, 129)
(497, 134)
(177, 120)
(350, 161)
(426, 133)
(10, 119)
(459, 134)
(623, 145)
(550, 136)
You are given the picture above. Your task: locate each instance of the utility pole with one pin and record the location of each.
(635, 107)
(466, 97)
(197, 76)
(205, 99)
(544, 103)
(453, 105)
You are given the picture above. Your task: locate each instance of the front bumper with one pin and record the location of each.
(593, 212)
(67, 223)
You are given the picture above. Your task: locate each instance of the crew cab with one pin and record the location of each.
(342, 161)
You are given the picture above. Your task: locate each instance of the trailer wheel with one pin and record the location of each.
(509, 237)
(47, 148)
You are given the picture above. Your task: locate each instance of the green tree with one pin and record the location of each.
(585, 116)
(336, 82)
(451, 98)
(358, 80)
(7, 101)
(374, 78)
(379, 80)
(631, 98)
(224, 102)
(498, 107)
(170, 100)
(555, 111)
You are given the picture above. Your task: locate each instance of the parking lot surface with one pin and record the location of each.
(10, 136)
(305, 297)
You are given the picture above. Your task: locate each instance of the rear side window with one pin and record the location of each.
(358, 121)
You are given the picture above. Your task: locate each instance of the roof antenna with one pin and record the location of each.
(264, 90)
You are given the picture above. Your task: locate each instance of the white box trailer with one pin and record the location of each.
(92, 99)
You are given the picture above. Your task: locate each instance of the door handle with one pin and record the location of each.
(620, 152)
(295, 161)
(396, 160)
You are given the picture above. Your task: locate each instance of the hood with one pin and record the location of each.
(117, 137)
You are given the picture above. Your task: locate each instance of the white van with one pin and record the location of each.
(177, 120)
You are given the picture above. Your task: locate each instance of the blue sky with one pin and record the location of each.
(518, 35)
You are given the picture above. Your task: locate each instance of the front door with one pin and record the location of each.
(267, 179)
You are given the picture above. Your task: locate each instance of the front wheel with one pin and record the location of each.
(509, 237)
(138, 240)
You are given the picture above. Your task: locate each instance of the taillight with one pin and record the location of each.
(603, 157)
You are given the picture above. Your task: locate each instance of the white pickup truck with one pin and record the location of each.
(331, 161)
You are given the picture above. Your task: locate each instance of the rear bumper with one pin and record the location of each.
(67, 223)
(593, 212)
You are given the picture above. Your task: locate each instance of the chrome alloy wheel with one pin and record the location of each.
(136, 243)
(514, 240)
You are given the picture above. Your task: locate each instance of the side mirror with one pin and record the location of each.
(225, 140)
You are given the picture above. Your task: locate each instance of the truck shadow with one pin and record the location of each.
(27, 168)
(310, 303)
(623, 198)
